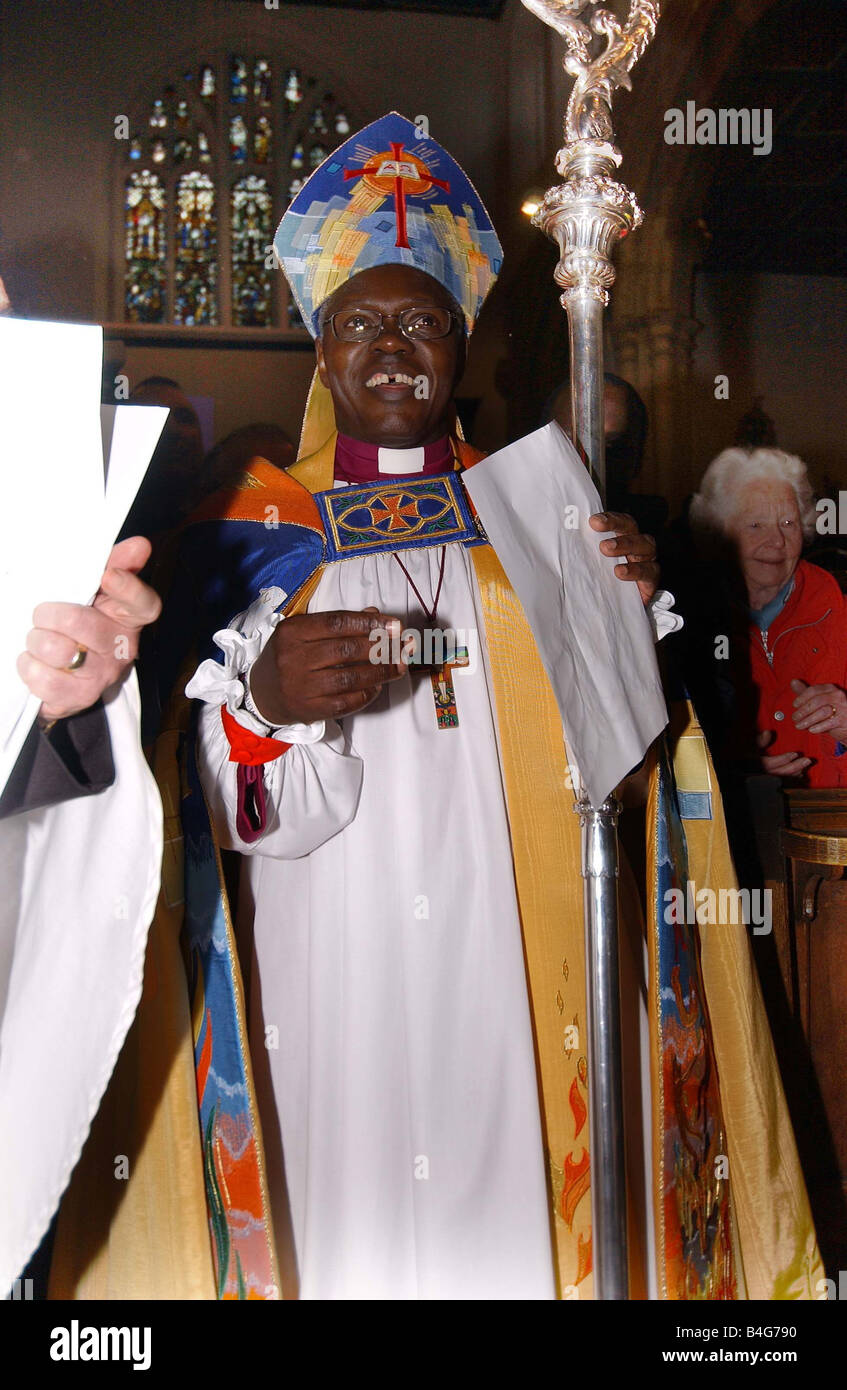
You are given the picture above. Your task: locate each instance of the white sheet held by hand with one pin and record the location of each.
(50, 454)
(534, 499)
(60, 517)
(134, 432)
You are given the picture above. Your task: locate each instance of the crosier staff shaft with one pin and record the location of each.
(587, 214)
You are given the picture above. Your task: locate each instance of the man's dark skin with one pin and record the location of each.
(317, 665)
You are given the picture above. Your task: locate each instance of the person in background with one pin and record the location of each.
(771, 694)
(678, 558)
(764, 656)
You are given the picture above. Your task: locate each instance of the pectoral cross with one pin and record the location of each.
(443, 692)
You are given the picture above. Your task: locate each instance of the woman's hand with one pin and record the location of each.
(822, 709)
(781, 764)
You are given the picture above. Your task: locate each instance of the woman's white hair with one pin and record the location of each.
(716, 502)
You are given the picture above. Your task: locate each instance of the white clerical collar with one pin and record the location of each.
(399, 461)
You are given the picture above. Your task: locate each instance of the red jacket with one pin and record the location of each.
(806, 641)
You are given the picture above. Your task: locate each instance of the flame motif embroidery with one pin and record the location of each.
(578, 1107)
(576, 1176)
(576, 1184)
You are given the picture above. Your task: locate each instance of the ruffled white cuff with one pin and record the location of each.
(661, 614)
(225, 682)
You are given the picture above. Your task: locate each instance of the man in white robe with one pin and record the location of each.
(399, 1098)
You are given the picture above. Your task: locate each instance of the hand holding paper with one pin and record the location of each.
(535, 499)
(107, 632)
(636, 554)
(63, 505)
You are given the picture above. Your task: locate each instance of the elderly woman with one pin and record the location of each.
(781, 659)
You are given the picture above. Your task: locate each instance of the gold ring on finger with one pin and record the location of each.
(78, 658)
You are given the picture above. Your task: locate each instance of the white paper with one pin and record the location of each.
(534, 499)
(62, 509)
(134, 435)
(52, 473)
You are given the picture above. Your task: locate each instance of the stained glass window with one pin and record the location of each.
(252, 232)
(201, 172)
(195, 251)
(144, 223)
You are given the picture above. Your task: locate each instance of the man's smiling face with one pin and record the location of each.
(376, 387)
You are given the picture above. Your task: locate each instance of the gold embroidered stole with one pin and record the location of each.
(778, 1244)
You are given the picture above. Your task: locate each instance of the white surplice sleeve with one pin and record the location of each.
(663, 618)
(301, 799)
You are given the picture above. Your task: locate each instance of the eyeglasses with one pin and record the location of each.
(363, 325)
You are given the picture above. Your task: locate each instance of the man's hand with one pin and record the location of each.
(780, 764)
(107, 631)
(822, 709)
(319, 666)
(639, 551)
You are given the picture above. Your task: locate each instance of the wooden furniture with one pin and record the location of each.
(810, 1022)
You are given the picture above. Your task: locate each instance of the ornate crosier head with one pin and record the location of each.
(589, 213)
(597, 73)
